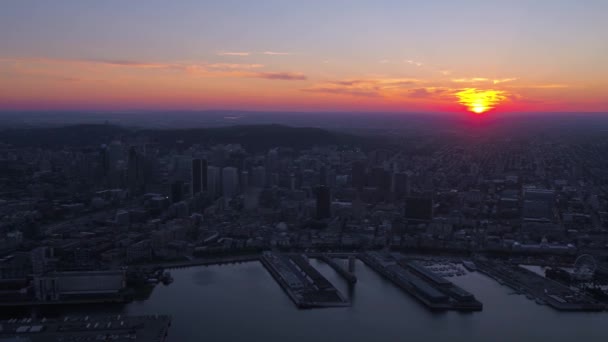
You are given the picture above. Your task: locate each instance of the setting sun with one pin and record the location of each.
(480, 101)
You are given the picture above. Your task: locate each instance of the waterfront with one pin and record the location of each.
(242, 302)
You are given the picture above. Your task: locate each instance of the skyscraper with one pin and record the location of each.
(244, 180)
(358, 175)
(401, 184)
(204, 175)
(418, 209)
(177, 192)
(323, 202)
(230, 181)
(259, 177)
(213, 181)
(196, 182)
(135, 171)
(104, 161)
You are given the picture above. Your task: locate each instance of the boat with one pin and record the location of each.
(469, 265)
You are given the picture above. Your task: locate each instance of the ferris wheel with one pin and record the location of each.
(584, 267)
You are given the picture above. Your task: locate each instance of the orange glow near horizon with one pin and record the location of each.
(480, 101)
(42, 84)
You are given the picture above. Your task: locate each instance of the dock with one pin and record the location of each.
(87, 328)
(349, 276)
(205, 261)
(432, 290)
(304, 285)
(537, 287)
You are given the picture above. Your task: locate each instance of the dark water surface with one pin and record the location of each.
(242, 302)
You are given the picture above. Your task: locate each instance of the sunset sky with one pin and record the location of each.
(308, 55)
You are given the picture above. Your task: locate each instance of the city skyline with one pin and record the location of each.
(391, 56)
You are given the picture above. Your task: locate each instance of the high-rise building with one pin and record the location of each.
(323, 175)
(135, 171)
(401, 184)
(104, 161)
(204, 174)
(213, 181)
(418, 209)
(244, 180)
(358, 175)
(323, 197)
(197, 176)
(230, 181)
(259, 177)
(177, 191)
(381, 179)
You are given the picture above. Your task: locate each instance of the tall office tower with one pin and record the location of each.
(115, 153)
(358, 175)
(197, 179)
(272, 160)
(177, 191)
(418, 209)
(323, 202)
(244, 180)
(104, 160)
(323, 175)
(213, 181)
(230, 181)
(135, 171)
(259, 177)
(401, 184)
(381, 179)
(204, 174)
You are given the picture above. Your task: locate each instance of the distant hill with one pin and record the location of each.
(74, 135)
(253, 137)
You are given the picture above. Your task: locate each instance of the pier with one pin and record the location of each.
(432, 290)
(231, 259)
(346, 274)
(538, 288)
(306, 287)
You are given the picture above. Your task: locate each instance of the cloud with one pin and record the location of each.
(425, 92)
(237, 53)
(411, 62)
(284, 76)
(133, 64)
(384, 61)
(504, 80)
(275, 53)
(234, 66)
(226, 70)
(363, 87)
(470, 80)
(342, 91)
(484, 79)
(544, 86)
